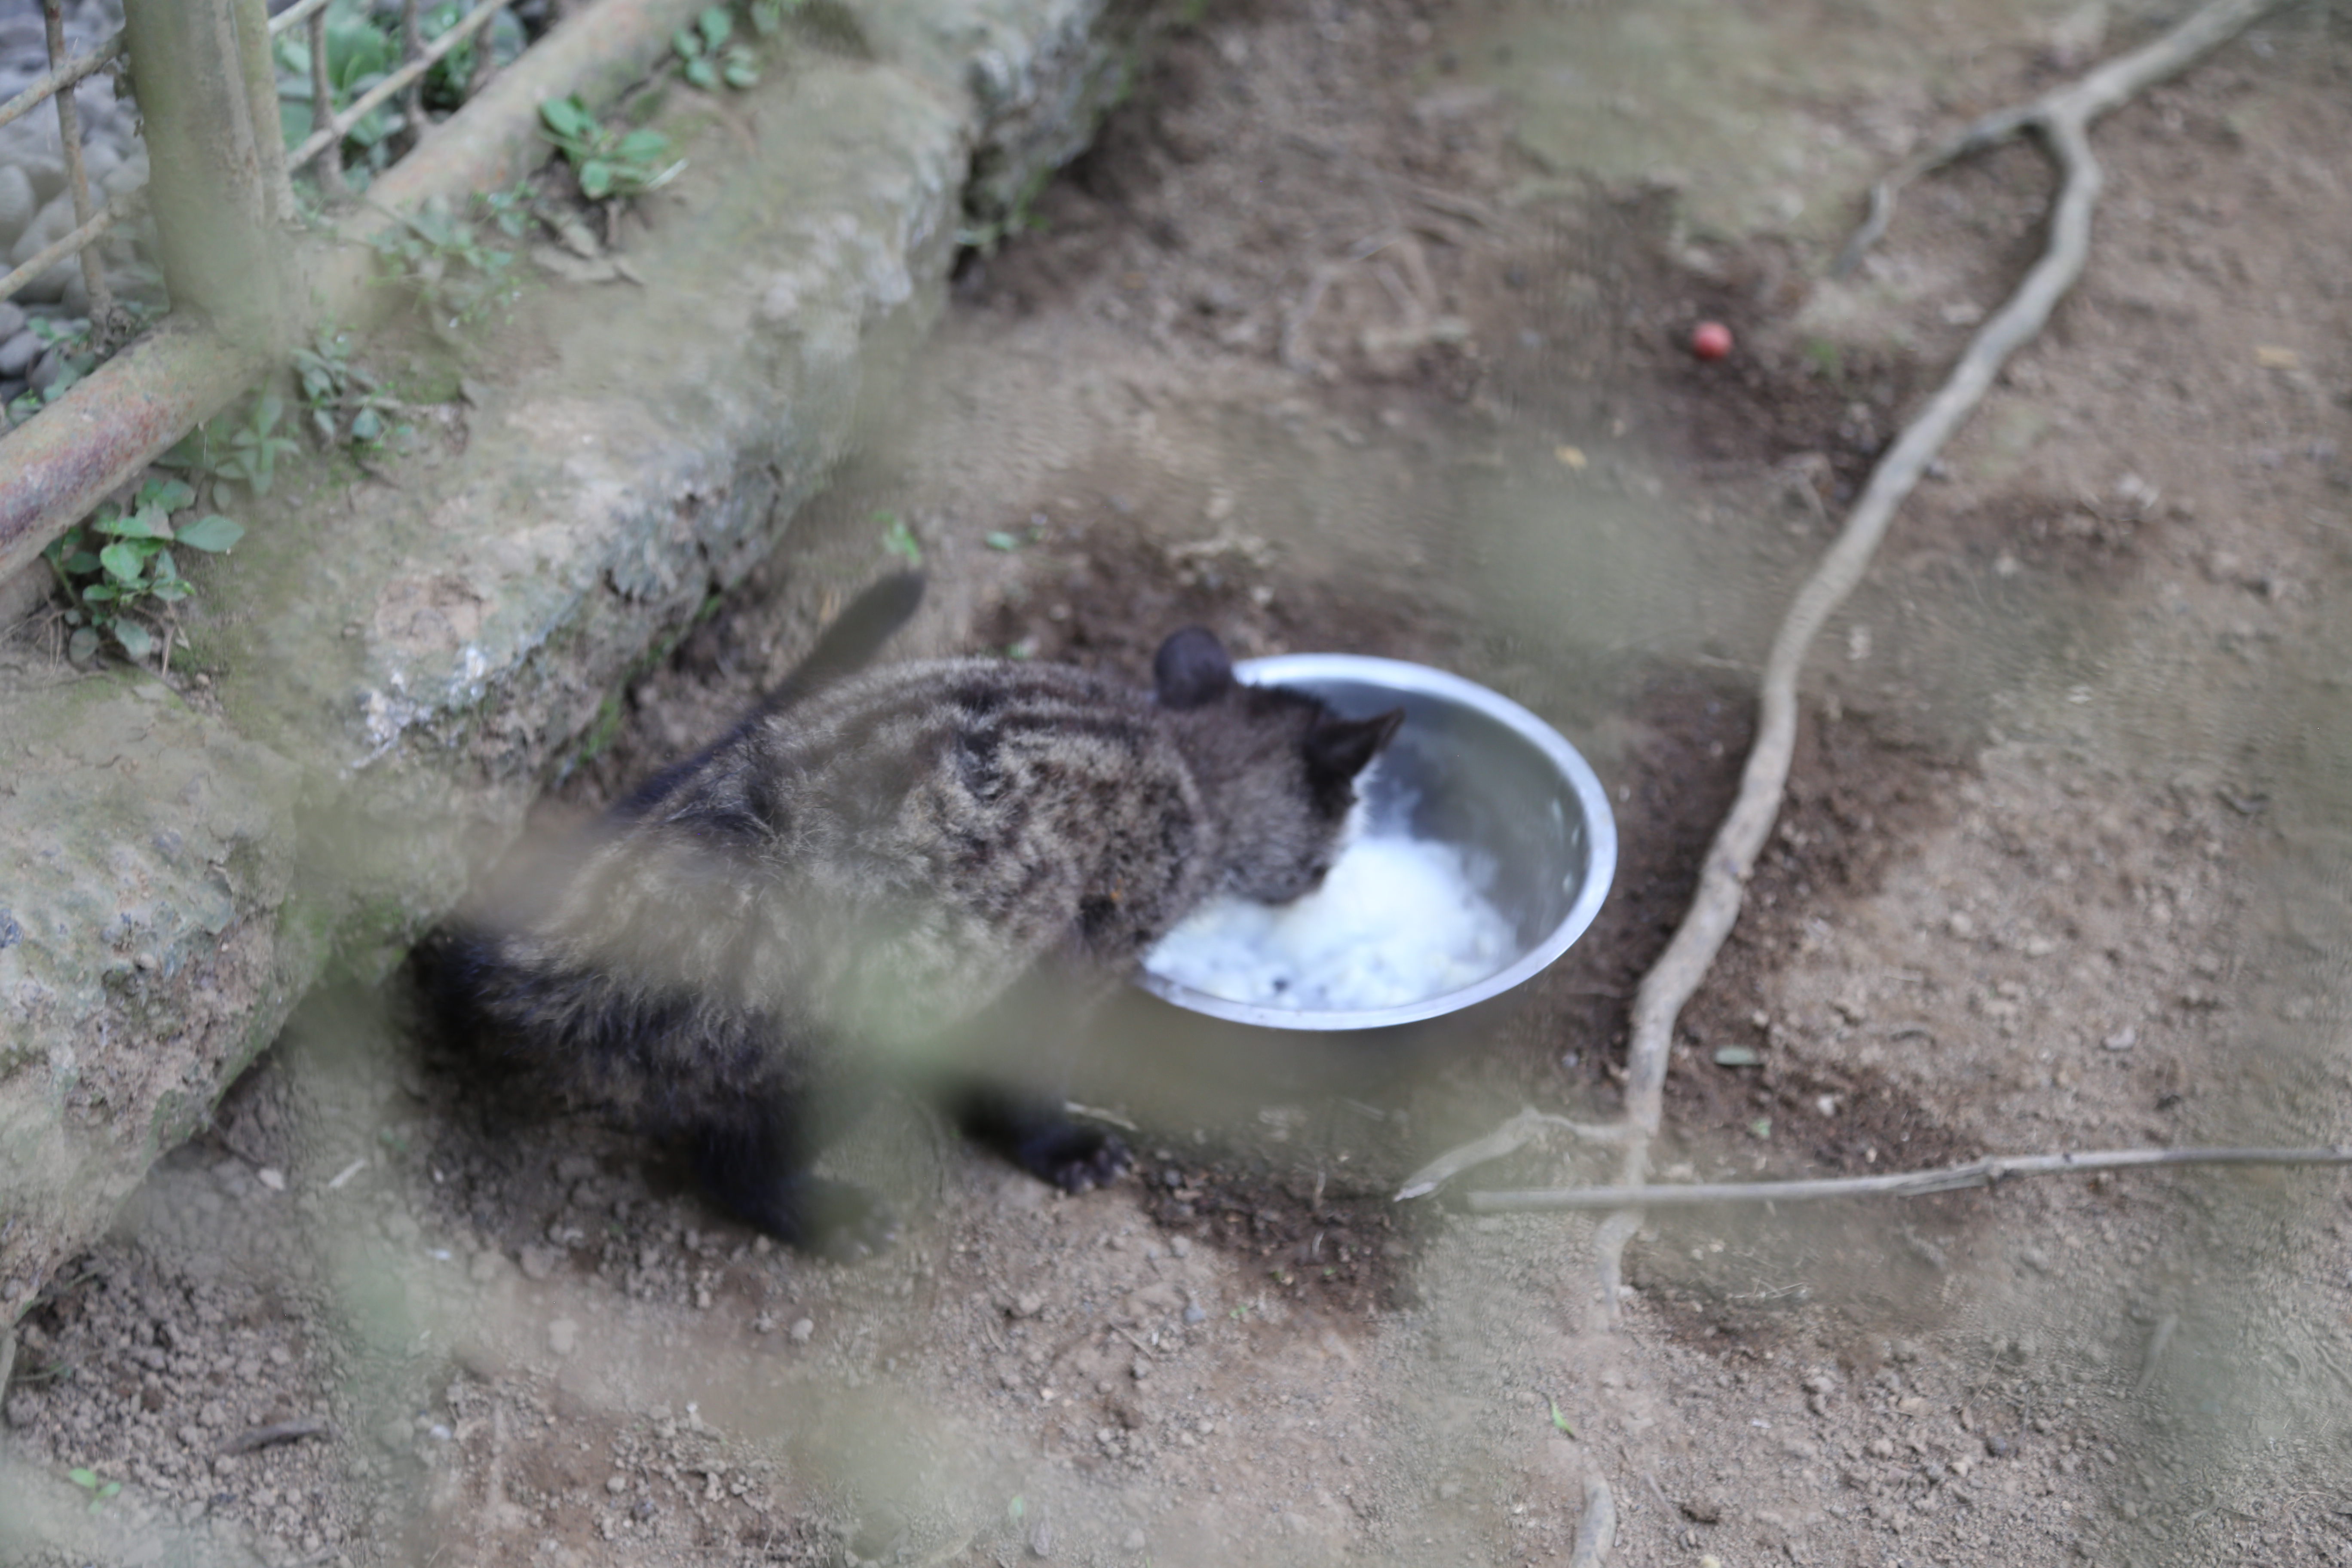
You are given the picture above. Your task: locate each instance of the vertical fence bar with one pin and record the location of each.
(330, 164)
(254, 49)
(93, 270)
(412, 102)
(479, 77)
(212, 206)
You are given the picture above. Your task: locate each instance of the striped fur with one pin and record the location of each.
(867, 881)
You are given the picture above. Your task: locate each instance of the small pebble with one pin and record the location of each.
(563, 1336)
(801, 1329)
(18, 352)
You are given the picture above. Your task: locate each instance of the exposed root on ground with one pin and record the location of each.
(1988, 1171)
(1596, 1531)
(2062, 118)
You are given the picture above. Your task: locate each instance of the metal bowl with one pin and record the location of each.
(1468, 768)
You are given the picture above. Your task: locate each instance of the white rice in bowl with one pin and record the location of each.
(1397, 920)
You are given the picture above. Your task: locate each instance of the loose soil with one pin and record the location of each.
(1363, 327)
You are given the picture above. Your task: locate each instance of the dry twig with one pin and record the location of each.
(278, 1432)
(2062, 118)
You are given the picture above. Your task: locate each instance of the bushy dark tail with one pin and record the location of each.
(843, 648)
(850, 644)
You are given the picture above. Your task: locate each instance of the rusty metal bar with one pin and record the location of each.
(56, 469)
(295, 15)
(221, 254)
(93, 269)
(411, 107)
(89, 64)
(49, 256)
(485, 64)
(325, 144)
(109, 427)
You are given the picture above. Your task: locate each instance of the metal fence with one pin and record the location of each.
(249, 261)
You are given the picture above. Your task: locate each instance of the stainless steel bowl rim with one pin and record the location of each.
(1600, 826)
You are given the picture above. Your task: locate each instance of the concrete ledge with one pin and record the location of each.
(395, 670)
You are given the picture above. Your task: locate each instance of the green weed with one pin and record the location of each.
(99, 1491)
(363, 48)
(247, 453)
(768, 16)
(458, 274)
(344, 402)
(121, 579)
(1826, 362)
(72, 339)
(898, 539)
(606, 163)
(707, 56)
(1020, 216)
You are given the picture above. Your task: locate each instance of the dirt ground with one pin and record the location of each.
(1363, 327)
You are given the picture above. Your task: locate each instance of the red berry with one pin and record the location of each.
(1710, 339)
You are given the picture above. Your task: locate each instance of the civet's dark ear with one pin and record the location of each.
(1340, 748)
(1192, 668)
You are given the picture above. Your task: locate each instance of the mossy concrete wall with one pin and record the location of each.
(394, 665)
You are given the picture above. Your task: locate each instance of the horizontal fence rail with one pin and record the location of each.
(215, 117)
(325, 141)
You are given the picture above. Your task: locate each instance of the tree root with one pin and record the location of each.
(1597, 1531)
(2061, 119)
(1988, 1171)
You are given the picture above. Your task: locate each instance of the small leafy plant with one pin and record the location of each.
(708, 57)
(456, 272)
(898, 539)
(119, 573)
(363, 46)
(1008, 540)
(71, 340)
(607, 162)
(99, 1490)
(344, 401)
(445, 84)
(768, 16)
(248, 454)
(359, 52)
(1020, 216)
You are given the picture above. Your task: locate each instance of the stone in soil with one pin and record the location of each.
(18, 353)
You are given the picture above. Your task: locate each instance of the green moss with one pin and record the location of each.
(177, 1117)
(605, 728)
